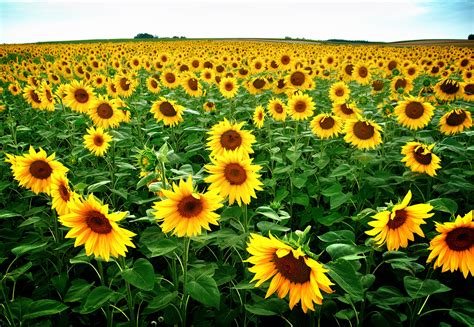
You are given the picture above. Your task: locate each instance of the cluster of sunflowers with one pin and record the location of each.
(101, 80)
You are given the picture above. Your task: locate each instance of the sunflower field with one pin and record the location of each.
(236, 183)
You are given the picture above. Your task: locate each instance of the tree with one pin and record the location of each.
(470, 37)
(143, 36)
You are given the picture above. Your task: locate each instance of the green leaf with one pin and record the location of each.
(417, 288)
(267, 226)
(339, 199)
(293, 155)
(338, 236)
(22, 249)
(330, 219)
(203, 288)
(96, 299)
(346, 251)
(8, 214)
(141, 276)
(444, 205)
(463, 311)
(78, 290)
(268, 307)
(15, 274)
(341, 170)
(42, 308)
(344, 274)
(270, 213)
(147, 179)
(97, 186)
(299, 180)
(332, 190)
(161, 300)
(386, 296)
(301, 198)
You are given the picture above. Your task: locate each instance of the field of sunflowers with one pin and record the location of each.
(236, 183)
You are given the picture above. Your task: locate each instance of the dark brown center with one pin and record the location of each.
(400, 83)
(411, 71)
(348, 69)
(399, 220)
(229, 86)
(392, 65)
(377, 85)
(105, 111)
(153, 84)
(124, 84)
(243, 71)
(195, 63)
(167, 109)
(35, 96)
(81, 96)
(235, 174)
(278, 108)
(64, 192)
(220, 68)
(327, 122)
(449, 87)
(363, 130)
(363, 72)
(297, 78)
(183, 68)
(40, 169)
(170, 78)
(464, 62)
(193, 84)
(414, 110)
(339, 92)
(460, 239)
(190, 207)
(456, 119)
(469, 89)
(285, 60)
(231, 139)
(98, 223)
(300, 106)
(346, 110)
(259, 83)
(98, 140)
(295, 270)
(424, 159)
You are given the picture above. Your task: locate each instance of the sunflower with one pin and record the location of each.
(454, 247)
(377, 86)
(191, 85)
(167, 111)
(364, 134)
(125, 85)
(447, 90)
(455, 121)
(467, 89)
(257, 85)
(169, 78)
(79, 96)
(111, 88)
(293, 271)
(298, 79)
(339, 92)
(346, 110)
(209, 106)
(259, 116)
(91, 224)
(413, 113)
(300, 106)
(361, 74)
(35, 170)
(97, 141)
(326, 125)
(208, 76)
(32, 96)
(228, 87)
(98, 80)
(419, 158)
(46, 96)
(14, 88)
(226, 136)
(152, 84)
(397, 226)
(234, 175)
(400, 85)
(277, 109)
(186, 212)
(61, 194)
(104, 113)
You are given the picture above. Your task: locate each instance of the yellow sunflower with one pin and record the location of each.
(209, 106)
(97, 141)
(414, 113)
(326, 126)
(152, 85)
(300, 106)
(169, 78)
(230, 137)
(259, 116)
(35, 170)
(291, 271)
(92, 224)
(79, 97)
(455, 121)
(14, 88)
(104, 113)
(298, 79)
(361, 73)
(397, 226)
(191, 85)
(228, 87)
(125, 85)
(208, 76)
(277, 109)
(46, 96)
(467, 91)
(346, 110)
(364, 134)
(61, 194)
(339, 92)
(234, 175)
(419, 158)
(186, 212)
(447, 90)
(32, 96)
(167, 111)
(453, 248)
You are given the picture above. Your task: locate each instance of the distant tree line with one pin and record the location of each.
(149, 36)
(470, 37)
(347, 41)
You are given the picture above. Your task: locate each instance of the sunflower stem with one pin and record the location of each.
(185, 298)
(131, 307)
(108, 313)
(245, 218)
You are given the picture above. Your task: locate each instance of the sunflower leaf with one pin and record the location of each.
(142, 275)
(417, 288)
(202, 287)
(344, 274)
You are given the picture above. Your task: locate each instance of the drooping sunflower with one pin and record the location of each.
(230, 137)
(125, 85)
(167, 111)
(453, 248)
(277, 109)
(169, 78)
(104, 113)
(97, 141)
(257, 85)
(32, 96)
(467, 91)
(228, 87)
(326, 125)
(79, 97)
(291, 271)
(346, 110)
(61, 194)
(234, 175)
(362, 133)
(35, 170)
(447, 90)
(111, 88)
(185, 211)
(419, 158)
(339, 92)
(397, 226)
(455, 121)
(191, 85)
(153, 85)
(259, 116)
(414, 113)
(300, 106)
(92, 224)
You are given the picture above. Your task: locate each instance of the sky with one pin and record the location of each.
(372, 20)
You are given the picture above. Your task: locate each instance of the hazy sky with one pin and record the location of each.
(54, 20)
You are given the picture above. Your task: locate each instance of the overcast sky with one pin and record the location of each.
(373, 20)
